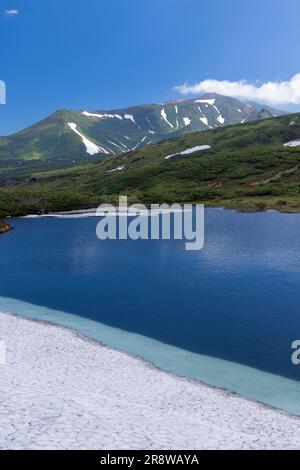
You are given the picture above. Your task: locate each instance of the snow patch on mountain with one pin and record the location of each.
(117, 145)
(293, 143)
(221, 119)
(187, 121)
(164, 117)
(150, 123)
(123, 145)
(130, 118)
(91, 148)
(94, 115)
(101, 116)
(119, 168)
(177, 120)
(198, 148)
(210, 102)
(203, 118)
(135, 147)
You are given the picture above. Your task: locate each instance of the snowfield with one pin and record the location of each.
(91, 148)
(62, 391)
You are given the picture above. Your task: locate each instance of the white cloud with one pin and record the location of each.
(10, 13)
(274, 93)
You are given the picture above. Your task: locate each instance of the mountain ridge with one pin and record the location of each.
(67, 138)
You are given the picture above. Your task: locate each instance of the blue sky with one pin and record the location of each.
(103, 54)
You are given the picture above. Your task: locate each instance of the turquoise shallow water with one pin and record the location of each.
(226, 315)
(268, 388)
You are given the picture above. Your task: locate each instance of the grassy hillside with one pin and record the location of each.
(247, 167)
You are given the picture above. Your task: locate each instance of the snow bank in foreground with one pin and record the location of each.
(91, 148)
(61, 391)
(198, 148)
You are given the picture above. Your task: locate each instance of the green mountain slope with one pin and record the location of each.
(68, 138)
(242, 166)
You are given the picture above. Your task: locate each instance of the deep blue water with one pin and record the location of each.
(238, 299)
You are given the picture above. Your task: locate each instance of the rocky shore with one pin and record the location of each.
(4, 227)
